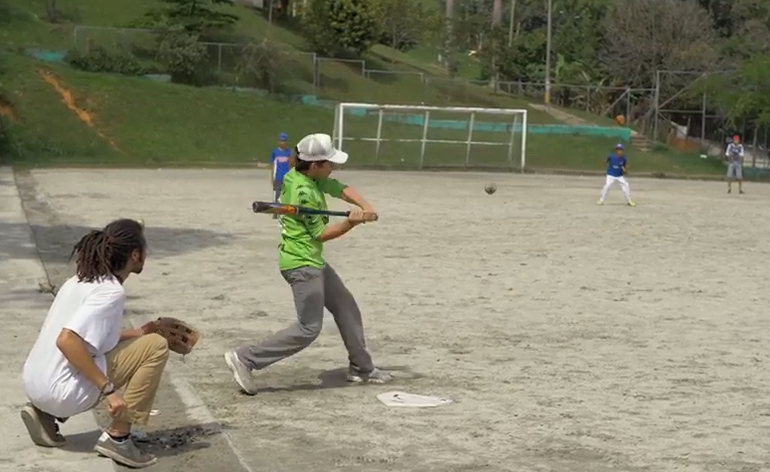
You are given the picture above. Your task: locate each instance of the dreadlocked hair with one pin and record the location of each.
(101, 253)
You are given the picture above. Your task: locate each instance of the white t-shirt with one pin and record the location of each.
(93, 310)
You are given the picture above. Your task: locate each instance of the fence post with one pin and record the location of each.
(219, 58)
(379, 136)
(513, 135)
(628, 105)
(703, 122)
(313, 59)
(424, 138)
(588, 99)
(471, 124)
(656, 104)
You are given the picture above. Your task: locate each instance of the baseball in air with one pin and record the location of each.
(141, 222)
(490, 189)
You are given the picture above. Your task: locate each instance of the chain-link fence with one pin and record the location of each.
(593, 100)
(278, 68)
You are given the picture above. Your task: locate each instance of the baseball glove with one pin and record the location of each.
(181, 336)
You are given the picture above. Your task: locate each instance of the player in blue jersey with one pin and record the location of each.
(280, 160)
(616, 169)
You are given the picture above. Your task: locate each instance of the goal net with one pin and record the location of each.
(415, 136)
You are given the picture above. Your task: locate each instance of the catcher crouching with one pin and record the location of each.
(82, 355)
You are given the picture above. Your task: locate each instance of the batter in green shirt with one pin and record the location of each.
(299, 234)
(315, 285)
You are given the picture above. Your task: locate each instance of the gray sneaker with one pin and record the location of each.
(42, 427)
(241, 373)
(376, 376)
(124, 452)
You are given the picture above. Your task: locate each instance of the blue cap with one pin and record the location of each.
(619, 146)
(283, 137)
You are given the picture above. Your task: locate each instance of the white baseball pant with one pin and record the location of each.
(623, 185)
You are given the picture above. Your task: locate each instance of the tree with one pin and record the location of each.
(262, 64)
(334, 26)
(642, 36)
(744, 96)
(195, 16)
(181, 53)
(749, 29)
(404, 23)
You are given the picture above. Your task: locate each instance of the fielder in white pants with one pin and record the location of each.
(616, 168)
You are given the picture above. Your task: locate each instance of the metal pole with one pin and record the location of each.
(548, 55)
(471, 124)
(513, 134)
(424, 137)
(657, 110)
(703, 122)
(379, 136)
(219, 58)
(628, 105)
(524, 141)
(335, 129)
(341, 125)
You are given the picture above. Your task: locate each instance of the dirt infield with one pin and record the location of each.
(572, 337)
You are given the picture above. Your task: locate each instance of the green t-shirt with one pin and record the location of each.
(299, 234)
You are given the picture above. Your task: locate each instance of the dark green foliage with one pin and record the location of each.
(195, 16)
(261, 65)
(182, 55)
(101, 59)
(335, 26)
(10, 13)
(405, 23)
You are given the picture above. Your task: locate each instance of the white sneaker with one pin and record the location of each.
(241, 373)
(376, 376)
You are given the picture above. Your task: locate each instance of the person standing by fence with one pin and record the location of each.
(734, 154)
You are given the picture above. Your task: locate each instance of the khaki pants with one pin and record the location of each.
(137, 364)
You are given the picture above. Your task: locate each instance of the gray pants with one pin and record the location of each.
(735, 171)
(313, 290)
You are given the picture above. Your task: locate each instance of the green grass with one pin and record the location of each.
(165, 124)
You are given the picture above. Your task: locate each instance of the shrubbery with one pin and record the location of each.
(262, 65)
(182, 55)
(101, 59)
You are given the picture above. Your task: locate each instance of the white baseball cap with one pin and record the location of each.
(319, 147)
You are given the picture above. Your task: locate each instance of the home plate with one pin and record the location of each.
(404, 399)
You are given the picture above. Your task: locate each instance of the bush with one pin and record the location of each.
(9, 13)
(183, 55)
(334, 26)
(101, 59)
(261, 65)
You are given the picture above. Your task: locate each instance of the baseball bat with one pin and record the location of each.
(283, 209)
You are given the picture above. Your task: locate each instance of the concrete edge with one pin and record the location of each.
(454, 169)
(195, 408)
(44, 279)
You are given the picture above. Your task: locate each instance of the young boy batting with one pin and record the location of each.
(616, 168)
(314, 283)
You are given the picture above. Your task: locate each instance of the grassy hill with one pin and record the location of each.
(64, 117)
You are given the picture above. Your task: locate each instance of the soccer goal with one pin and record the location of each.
(432, 137)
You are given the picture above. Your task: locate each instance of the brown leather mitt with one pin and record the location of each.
(181, 336)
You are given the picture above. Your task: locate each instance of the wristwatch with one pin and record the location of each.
(108, 389)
